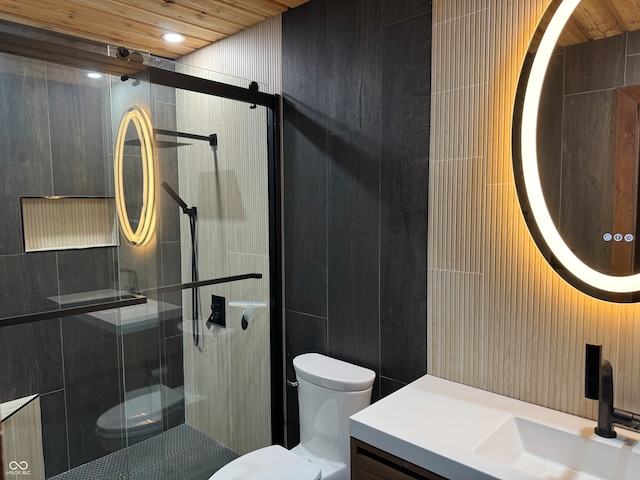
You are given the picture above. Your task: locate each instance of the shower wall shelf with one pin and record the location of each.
(245, 304)
(248, 310)
(67, 223)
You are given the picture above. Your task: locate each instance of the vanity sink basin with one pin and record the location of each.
(543, 451)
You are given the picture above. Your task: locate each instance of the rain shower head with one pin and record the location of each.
(166, 144)
(157, 143)
(212, 139)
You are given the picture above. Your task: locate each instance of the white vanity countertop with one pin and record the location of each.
(439, 425)
(9, 408)
(133, 318)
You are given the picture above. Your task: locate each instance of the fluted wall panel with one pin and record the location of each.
(65, 223)
(459, 216)
(499, 317)
(239, 56)
(227, 377)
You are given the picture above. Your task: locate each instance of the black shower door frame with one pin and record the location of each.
(252, 96)
(65, 55)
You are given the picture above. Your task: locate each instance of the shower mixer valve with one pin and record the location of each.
(217, 316)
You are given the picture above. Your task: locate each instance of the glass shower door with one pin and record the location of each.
(139, 372)
(213, 224)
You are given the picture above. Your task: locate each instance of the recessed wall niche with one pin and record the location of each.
(62, 223)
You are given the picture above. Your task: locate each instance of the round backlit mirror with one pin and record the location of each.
(134, 173)
(575, 145)
(133, 176)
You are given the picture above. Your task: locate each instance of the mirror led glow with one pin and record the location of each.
(147, 225)
(528, 140)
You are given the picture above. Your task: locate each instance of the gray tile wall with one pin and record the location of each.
(356, 88)
(55, 146)
(56, 133)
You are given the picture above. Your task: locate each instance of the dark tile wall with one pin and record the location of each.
(79, 144)
(56, 133)
(406, 108)
(92, 385)
(54, 432)
(25, 157)
(356, 88)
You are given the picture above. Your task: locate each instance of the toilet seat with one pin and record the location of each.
(269, 463)
(143, 413)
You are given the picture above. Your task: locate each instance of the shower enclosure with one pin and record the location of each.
(140, 213)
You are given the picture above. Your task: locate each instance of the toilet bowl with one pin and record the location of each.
(329, 392)
(139, 417)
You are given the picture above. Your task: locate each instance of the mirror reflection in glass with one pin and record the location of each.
(132, 175)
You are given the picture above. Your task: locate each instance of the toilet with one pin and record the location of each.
(329, 392)
(139, 417)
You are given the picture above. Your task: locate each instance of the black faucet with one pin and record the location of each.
(598, 385)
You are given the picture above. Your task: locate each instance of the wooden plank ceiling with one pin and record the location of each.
(139, 24)
(597, 19)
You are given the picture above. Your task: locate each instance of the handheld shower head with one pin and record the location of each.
(176, 198)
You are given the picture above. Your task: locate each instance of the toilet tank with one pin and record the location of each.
(329, 392)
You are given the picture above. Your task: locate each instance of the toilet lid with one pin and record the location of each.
(269, 463)
(143, 411)
(332, 373)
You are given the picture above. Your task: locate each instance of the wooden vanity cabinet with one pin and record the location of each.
(371, 463)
